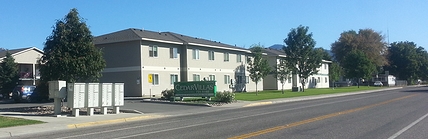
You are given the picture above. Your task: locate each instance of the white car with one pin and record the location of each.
(378, 83)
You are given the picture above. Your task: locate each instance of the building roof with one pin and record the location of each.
(133, 34)
(18, 51)
(274, 52)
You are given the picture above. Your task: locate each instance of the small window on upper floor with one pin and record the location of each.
(153, 51)
(238, 58)
(226, 57)
(173, 52)
(195, 53)
(210, 55)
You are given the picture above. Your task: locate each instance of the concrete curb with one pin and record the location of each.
(120, 120)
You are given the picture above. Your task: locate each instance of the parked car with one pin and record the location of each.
(378, 83)
(23, 93)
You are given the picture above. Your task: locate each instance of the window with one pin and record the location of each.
(319, 80)
(173, 52)
(196, 77)
(153, 51)
(174, 78)
(325, 80)
(210, 55)
(247, 79)
(195, 53)
(226, 79)
(155, 79)
(226, 57)
(289, 79)
(238, 58)
(212, 77)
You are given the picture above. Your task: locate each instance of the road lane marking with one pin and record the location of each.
(408, 127)
(273, 129)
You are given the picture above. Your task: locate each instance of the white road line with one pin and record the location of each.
(408, 127)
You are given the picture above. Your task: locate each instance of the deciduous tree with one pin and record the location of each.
(258, 66)
(302, 59)
(282, 72)
(362, 66)
(366, 40)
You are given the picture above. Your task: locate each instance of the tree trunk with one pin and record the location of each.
(303, 86)
(282, 88)
(256, 89)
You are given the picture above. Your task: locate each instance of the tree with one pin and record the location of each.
(258, 67)
(69, 52)
(423, 59)
(282, 73)
(325, 55)
(366, 40)
(302, 59)
(362, 66)
(8, 73)
(334, 72)
(405, 60)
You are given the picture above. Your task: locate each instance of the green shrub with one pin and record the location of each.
(167, 94)
(225, 96)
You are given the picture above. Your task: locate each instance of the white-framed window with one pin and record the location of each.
(247, 79)
(174, 78)
(153, 51)
(238, 58)
(289, 79)
(325, 66)
(195, 53)
(155, 79)
(196, 77)
(226, 57)
(319, 80)
(210, 55)
(226, 79)
(325, 80)
(173, 52)
(212, 78)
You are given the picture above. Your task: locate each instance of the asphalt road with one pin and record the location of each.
(389, 114)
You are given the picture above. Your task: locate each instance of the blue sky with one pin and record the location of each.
(26, 23)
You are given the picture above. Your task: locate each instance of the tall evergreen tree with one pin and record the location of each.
(258, 67)
(8, 73)
(302, 58)
(69, 52)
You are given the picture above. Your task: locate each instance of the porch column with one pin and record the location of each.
(34, 74)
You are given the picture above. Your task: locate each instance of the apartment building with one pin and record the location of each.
(28, 67)
(319, 80)
(149, 62)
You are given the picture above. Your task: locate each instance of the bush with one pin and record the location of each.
(167, 94)
(225, 96)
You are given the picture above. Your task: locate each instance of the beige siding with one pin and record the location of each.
(28, 57)
(163, 59)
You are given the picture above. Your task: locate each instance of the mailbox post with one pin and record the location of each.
(57, 91)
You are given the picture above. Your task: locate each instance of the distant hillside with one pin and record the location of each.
(279, 47)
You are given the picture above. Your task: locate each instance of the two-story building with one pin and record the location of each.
(27, 61)
(319, 80)
(149, 62)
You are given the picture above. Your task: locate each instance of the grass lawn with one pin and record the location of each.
(262, 95)
(11, 121)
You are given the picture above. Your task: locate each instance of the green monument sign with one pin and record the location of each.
(195, 89)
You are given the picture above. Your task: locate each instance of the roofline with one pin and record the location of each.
(30, 48)
(220, 47)
(156, 40)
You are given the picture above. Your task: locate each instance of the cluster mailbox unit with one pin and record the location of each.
(89, 96)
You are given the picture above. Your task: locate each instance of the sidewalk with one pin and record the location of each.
(69, 122)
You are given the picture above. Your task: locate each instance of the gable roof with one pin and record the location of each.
(274, 52)
(15, 52)
(133, 34)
